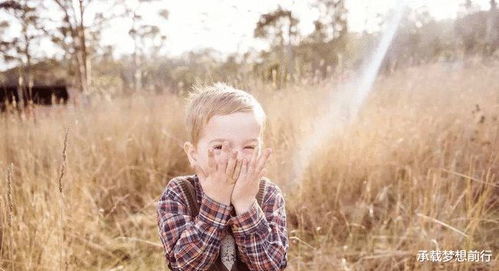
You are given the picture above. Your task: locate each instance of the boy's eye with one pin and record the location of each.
(219, 147)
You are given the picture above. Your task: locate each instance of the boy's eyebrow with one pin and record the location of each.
(222, 139)
(217, 139)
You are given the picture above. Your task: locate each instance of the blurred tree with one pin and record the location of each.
(417, 40)
(478, 32)
(148, 39)
(72, 37)
(78, 33)
(5, 45)
(332, 27)
(279, 27)
(325, 49)
(492, 33)
(332, 22)
(19, 48)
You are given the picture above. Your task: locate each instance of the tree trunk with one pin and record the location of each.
(27, 80)
(492, 38)
(289, 53)
(137, 80)
(27, 68)
(84, 63)
(77, 49)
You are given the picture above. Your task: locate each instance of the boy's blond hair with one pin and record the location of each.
(218, 99)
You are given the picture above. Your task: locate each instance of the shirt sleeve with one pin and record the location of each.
(190, 244)
(261, 234)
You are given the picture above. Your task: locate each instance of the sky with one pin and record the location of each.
(227, 25)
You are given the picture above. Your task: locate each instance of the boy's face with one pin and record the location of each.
(241, 130)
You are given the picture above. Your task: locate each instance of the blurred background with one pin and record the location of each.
(125, 46)
(92, 100)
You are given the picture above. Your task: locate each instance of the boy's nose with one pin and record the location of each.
(246, 155)
(242, 153)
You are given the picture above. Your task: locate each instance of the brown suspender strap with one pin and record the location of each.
(190, 193)
(259, 196)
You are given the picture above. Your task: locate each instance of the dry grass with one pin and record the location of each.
(418, 170)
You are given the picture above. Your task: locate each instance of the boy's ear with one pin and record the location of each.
(190, 150)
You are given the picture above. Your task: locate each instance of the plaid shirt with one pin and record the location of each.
(193, 243)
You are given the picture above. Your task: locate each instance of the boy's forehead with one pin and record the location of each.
(222, 139)
(240, 125)
(235, 120)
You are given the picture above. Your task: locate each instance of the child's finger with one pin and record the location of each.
(244, 170)
(222, 165)
(251, 165)
(263, 159)
(211, 161)
(237, 170)
(231, 164)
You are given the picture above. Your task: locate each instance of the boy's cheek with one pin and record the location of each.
(247, 155)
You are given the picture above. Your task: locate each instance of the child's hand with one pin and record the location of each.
(218, 180)
(247, 184)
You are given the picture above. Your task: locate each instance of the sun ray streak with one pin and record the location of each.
(342, 106)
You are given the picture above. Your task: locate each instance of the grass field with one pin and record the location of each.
(418, 170)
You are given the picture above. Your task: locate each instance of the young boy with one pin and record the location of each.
(241, 219)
